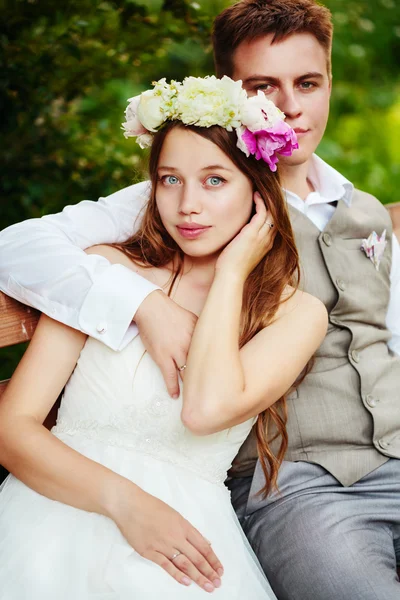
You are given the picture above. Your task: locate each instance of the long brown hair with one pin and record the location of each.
(152, 246)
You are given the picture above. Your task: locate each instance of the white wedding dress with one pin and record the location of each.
(116, 411)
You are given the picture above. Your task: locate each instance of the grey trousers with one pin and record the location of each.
(318, 540)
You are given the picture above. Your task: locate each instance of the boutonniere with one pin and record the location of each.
(374, 247)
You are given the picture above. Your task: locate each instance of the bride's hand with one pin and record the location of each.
(251, 244)
(158, 532)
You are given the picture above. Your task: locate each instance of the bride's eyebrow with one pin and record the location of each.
(210, 167)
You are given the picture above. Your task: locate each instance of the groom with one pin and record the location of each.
(333, 531)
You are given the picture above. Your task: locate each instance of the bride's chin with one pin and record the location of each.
(202, 253)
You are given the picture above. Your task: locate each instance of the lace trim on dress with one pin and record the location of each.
(153, 430)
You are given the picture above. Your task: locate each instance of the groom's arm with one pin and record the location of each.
(43, 264)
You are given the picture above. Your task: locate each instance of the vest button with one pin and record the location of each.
(355, 356)
(327, 239)
(383, 444)
(371, 401)
(341, 284)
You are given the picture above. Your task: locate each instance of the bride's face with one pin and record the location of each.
(203, 199)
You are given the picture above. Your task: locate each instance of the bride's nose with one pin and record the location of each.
(189, 200)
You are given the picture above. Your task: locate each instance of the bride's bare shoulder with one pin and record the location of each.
(301, 302)
(113, 255)
(158, 276)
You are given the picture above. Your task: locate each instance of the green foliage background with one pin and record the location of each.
(68, 67)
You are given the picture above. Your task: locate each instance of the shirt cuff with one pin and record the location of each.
(110, 305)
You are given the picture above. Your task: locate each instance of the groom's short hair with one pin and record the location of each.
(248, 20)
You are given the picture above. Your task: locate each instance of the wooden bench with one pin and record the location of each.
(17, 325)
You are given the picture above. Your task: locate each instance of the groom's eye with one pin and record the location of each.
(264, 87)
(308, 85)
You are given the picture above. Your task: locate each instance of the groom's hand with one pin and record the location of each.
(166, 331)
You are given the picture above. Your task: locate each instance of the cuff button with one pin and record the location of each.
(101, 328)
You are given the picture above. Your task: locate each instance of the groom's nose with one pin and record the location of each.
(289, 102)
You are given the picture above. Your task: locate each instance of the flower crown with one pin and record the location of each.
(207, 101)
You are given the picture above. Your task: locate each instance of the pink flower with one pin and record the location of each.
(267, 143)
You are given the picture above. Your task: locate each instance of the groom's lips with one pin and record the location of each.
(191, 230)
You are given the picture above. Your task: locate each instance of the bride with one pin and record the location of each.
(125, 498)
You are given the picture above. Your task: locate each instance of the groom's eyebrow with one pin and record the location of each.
(260, 79)
(310, 75)
(257, 79)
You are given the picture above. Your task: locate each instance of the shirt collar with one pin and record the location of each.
(327, 182)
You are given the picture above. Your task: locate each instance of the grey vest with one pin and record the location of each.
(345, 415)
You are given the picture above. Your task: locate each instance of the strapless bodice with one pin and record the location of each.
(120, 398)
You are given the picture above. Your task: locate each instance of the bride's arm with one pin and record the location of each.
(53, 469)
(223, 385)
(27, 449)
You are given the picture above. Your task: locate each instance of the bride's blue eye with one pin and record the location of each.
(170, 179)
(214, 181)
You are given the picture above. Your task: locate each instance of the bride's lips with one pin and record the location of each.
(299, 131)
(191, 230)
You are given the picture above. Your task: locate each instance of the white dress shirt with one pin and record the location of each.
(42, 262)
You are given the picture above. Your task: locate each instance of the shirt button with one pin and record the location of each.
(101, 328)
(327, 239)
(384, 444)
(371, 401)
(355, 356)
(341, 284)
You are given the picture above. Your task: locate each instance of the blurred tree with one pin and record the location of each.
(364, 126)
(67, 72)
(68, 68)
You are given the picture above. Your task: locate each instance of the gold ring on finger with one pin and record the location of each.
(182, 368)
(175, 555)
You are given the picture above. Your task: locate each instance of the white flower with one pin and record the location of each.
(150, 110)
(210, 101)
(240, 143)
(145, 140)
(259, 113)
(207, 101)
(168, 93)
(132, 126)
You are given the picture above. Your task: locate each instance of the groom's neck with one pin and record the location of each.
(294, 179)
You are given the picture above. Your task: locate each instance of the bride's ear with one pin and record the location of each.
(253, 210)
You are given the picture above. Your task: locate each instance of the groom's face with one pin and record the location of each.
(293, 73)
